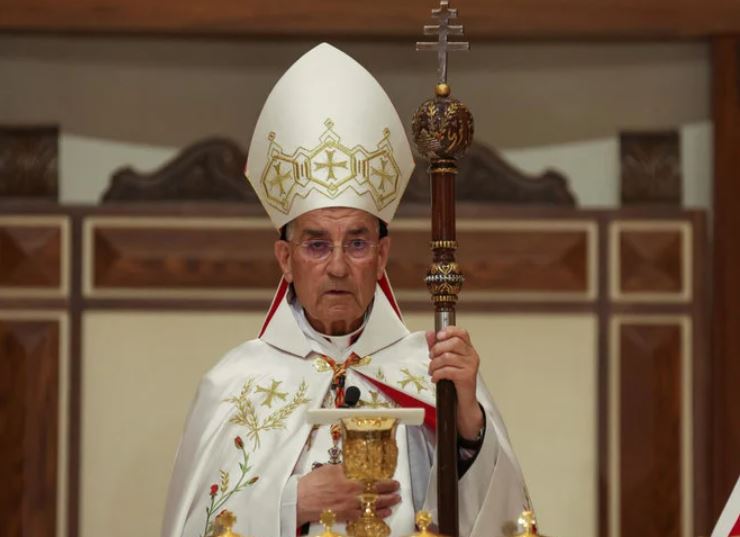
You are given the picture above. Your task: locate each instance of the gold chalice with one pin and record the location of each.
(370, 454)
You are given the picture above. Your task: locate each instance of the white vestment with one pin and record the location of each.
(246, 442)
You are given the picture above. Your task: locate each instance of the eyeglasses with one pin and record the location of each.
(321, 249)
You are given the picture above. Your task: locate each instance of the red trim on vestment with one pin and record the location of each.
(404, 400)
(385, 285)
(277, 299)
(735, 531)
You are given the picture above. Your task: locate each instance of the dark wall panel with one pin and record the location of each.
(29, 395)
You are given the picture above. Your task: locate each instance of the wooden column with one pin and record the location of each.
(725, 411)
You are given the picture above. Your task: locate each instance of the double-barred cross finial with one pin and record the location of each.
(443, 30)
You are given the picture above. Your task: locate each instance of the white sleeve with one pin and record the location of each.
(288, 507)
(492, 493)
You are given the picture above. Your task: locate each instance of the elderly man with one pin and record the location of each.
(329, 160)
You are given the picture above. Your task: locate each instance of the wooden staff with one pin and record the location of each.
(443, 129)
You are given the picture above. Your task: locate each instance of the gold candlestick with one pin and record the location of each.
(223, 523)
(327, 520)
(529, 524)
(423, 521)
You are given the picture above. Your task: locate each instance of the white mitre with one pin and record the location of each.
(328, 136)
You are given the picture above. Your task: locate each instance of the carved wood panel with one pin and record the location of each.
(650, 429)
(29, 377)
(154, 254)
(208, 170)
(213, 170)
(505, 259)
(29, 162)
(32, 254)
(161, 255)
(650, 168)
(651, 261)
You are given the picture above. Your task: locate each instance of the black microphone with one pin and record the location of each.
(351, 397)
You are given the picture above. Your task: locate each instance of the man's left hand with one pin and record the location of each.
(454, 358)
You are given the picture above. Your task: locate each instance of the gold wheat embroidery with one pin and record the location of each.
(246, 415)
(417, 381)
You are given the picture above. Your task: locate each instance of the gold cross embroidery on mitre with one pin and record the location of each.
(385, 177)
(279, 178)
(330, 164)
(329, 169)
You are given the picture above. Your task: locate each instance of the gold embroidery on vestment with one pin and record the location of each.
(418, 381)
(320, 365)
(271, 393)
(329, 169)
(246, 414)
(375, 401)
(380, 375)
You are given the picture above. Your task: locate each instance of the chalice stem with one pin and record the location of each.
(368, 500)
(368, 525)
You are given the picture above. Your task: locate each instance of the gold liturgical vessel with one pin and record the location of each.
(370, 454)
(223, 524)
(529, 525)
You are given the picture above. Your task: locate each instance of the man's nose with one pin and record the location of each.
(337, 263)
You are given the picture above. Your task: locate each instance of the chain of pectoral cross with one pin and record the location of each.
(443, 30)
(339, 375)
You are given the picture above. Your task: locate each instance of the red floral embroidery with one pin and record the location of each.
(221, 492)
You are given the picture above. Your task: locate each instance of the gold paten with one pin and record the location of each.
(370, 454)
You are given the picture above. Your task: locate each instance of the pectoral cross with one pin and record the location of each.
(442, 30)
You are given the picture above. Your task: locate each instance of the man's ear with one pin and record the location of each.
(384, 246)
(282, 255)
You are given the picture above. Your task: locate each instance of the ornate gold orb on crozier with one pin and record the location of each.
(442, 127)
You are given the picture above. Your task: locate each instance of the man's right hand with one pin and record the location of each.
(328, 488)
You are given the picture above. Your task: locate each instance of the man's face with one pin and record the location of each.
(336, 291)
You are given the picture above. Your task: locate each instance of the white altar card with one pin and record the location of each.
(327, 416)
